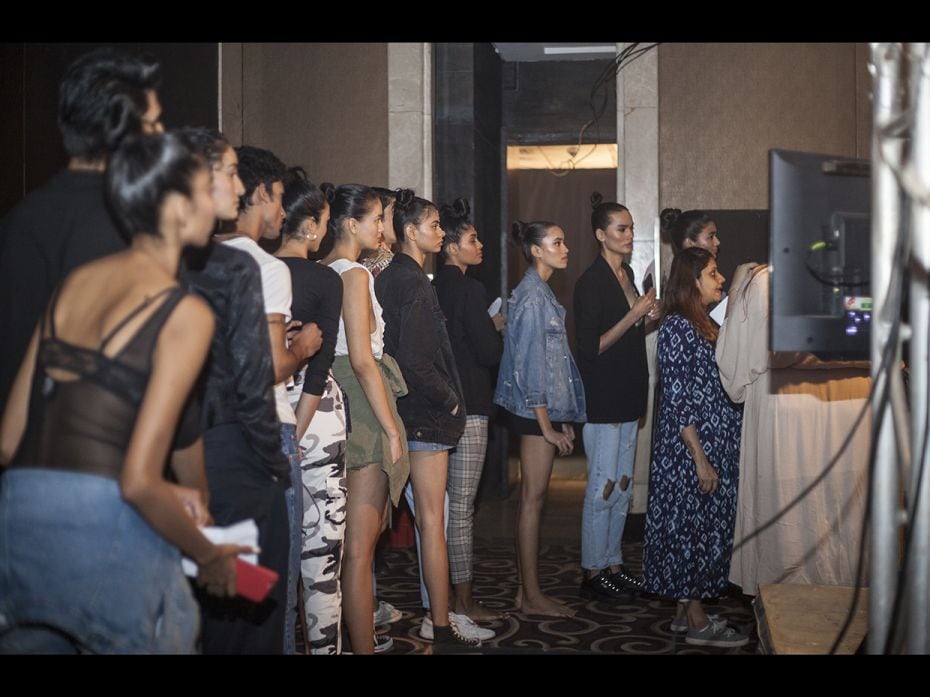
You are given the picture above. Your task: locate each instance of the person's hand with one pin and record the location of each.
(644, 304)
(291, 329)
(193, 503)
(569, 431)
(708, 481)
(561, 441)
(397, 448)
(307, 341)
(218, 573)
(743, 271)
(498, 320)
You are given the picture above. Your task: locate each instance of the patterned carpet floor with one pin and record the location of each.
(640, 626)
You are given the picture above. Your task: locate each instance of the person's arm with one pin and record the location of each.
(677, 368)
(640, 309)
(417, 346)
(287, 359)
(188, 465)
(318, 367)
(17, 405)
(178, 357)
(530, 371)
(356, 316)
(251, 370)
(486, 342)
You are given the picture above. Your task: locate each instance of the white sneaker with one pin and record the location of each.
(468, 627)
(463, 624)
(386, 614)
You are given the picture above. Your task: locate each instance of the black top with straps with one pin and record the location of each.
(84, 423)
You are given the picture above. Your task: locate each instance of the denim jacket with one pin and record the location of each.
(537, 368)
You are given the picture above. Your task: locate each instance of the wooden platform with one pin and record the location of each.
(806, 619)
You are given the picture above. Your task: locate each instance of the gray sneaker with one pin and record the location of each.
(716, 635)
(680, 624)
(387, 614)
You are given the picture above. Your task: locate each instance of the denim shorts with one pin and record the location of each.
(419, 446)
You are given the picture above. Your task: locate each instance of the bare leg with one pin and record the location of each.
(465, 604)
(536, 456)
(365, 501)
(428, 471)
(696, 617)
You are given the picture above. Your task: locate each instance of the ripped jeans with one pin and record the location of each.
(611, 449)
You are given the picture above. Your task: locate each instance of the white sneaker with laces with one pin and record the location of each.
(467, 627)
(462, 623)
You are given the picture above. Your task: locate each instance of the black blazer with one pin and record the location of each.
(616, 382)
(415, 335)
(477, 345)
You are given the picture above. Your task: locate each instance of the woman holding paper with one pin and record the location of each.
(477, 346)
(91, 534)
(610, 338)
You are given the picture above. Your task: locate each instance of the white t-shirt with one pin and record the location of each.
(277, 294)
(377, 336)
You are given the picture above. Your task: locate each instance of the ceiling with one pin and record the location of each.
(557, 52)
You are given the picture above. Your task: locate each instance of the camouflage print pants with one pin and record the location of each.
(323, 473)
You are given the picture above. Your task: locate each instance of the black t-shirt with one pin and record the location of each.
(52, 231)
(317, 297)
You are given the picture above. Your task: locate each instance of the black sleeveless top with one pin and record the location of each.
(84, 423)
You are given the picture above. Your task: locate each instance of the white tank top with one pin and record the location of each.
(377, 336)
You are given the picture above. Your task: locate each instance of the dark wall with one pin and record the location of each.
(29, 77)
(549, 102)
(467, 142)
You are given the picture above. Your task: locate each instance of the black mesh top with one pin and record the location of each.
(84, 422)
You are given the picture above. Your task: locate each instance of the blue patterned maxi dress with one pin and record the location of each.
(689, 535)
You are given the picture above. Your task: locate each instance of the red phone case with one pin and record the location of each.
(254, 581)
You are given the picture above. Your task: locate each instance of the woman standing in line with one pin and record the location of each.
(318, 404)
(611, 342)
(694, 475)
(540, 386)
(376, 451)
(477, 346)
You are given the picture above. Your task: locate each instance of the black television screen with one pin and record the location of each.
(819, 216)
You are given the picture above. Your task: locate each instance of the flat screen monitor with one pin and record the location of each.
(819, 216)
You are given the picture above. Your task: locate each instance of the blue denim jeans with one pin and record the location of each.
(74, 556)
(294, 497)
(611, 449)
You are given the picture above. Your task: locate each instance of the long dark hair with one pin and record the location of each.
(682, 294)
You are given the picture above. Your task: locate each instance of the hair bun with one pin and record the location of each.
(461, 207)
(329, 191)
(596, 199)
(668, 217)
(518, 231)
(404, 198)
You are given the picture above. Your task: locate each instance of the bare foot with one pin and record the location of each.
(544, 605)
(480, 613)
